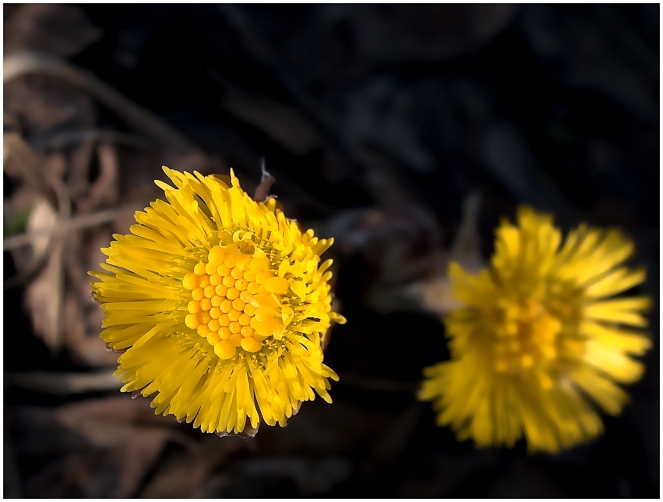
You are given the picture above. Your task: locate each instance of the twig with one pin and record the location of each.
(72, 224)
(78, 136)
(376, 384)
(396, 437)
(64, 384)
(261, 51)
(25, 63)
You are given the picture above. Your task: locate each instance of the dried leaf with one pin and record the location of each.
(62, 30)
(42, 219)
(104, 191)
(44, 299)
(311, 476)
(323, 430)
(20, 161)
(96, 448)
(435, 292)
(183, 472)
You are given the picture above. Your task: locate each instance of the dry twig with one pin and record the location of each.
(71, 225)
(26, 63)
(64, 384)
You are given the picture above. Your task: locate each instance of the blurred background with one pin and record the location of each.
(406, 133)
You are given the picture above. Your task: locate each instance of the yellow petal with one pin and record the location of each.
(277, 285)
(299, 288)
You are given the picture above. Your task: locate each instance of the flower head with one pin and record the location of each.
(220, 303)
(538, 337)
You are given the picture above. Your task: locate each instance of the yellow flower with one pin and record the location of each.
(220, 303)
(538, 337)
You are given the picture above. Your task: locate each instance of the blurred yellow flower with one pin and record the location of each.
(220, 303)
(538, 337)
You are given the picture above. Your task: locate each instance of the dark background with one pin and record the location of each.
(379, 122)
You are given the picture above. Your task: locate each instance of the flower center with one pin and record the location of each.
(236, 299)
(527, 334)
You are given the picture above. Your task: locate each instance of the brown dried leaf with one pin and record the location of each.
(100, 447)
(79, 168)
(104, 191)
(400, 245)
(44, 299)
(91, 473)
(185, 471)
(27, 71)
(36, 433)
(312, 475)
(323, 429)
(61, 30)
(43, 218)
(44, 105)
(412, 267)
(20, 161)
(83, 344)
(435, 293)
